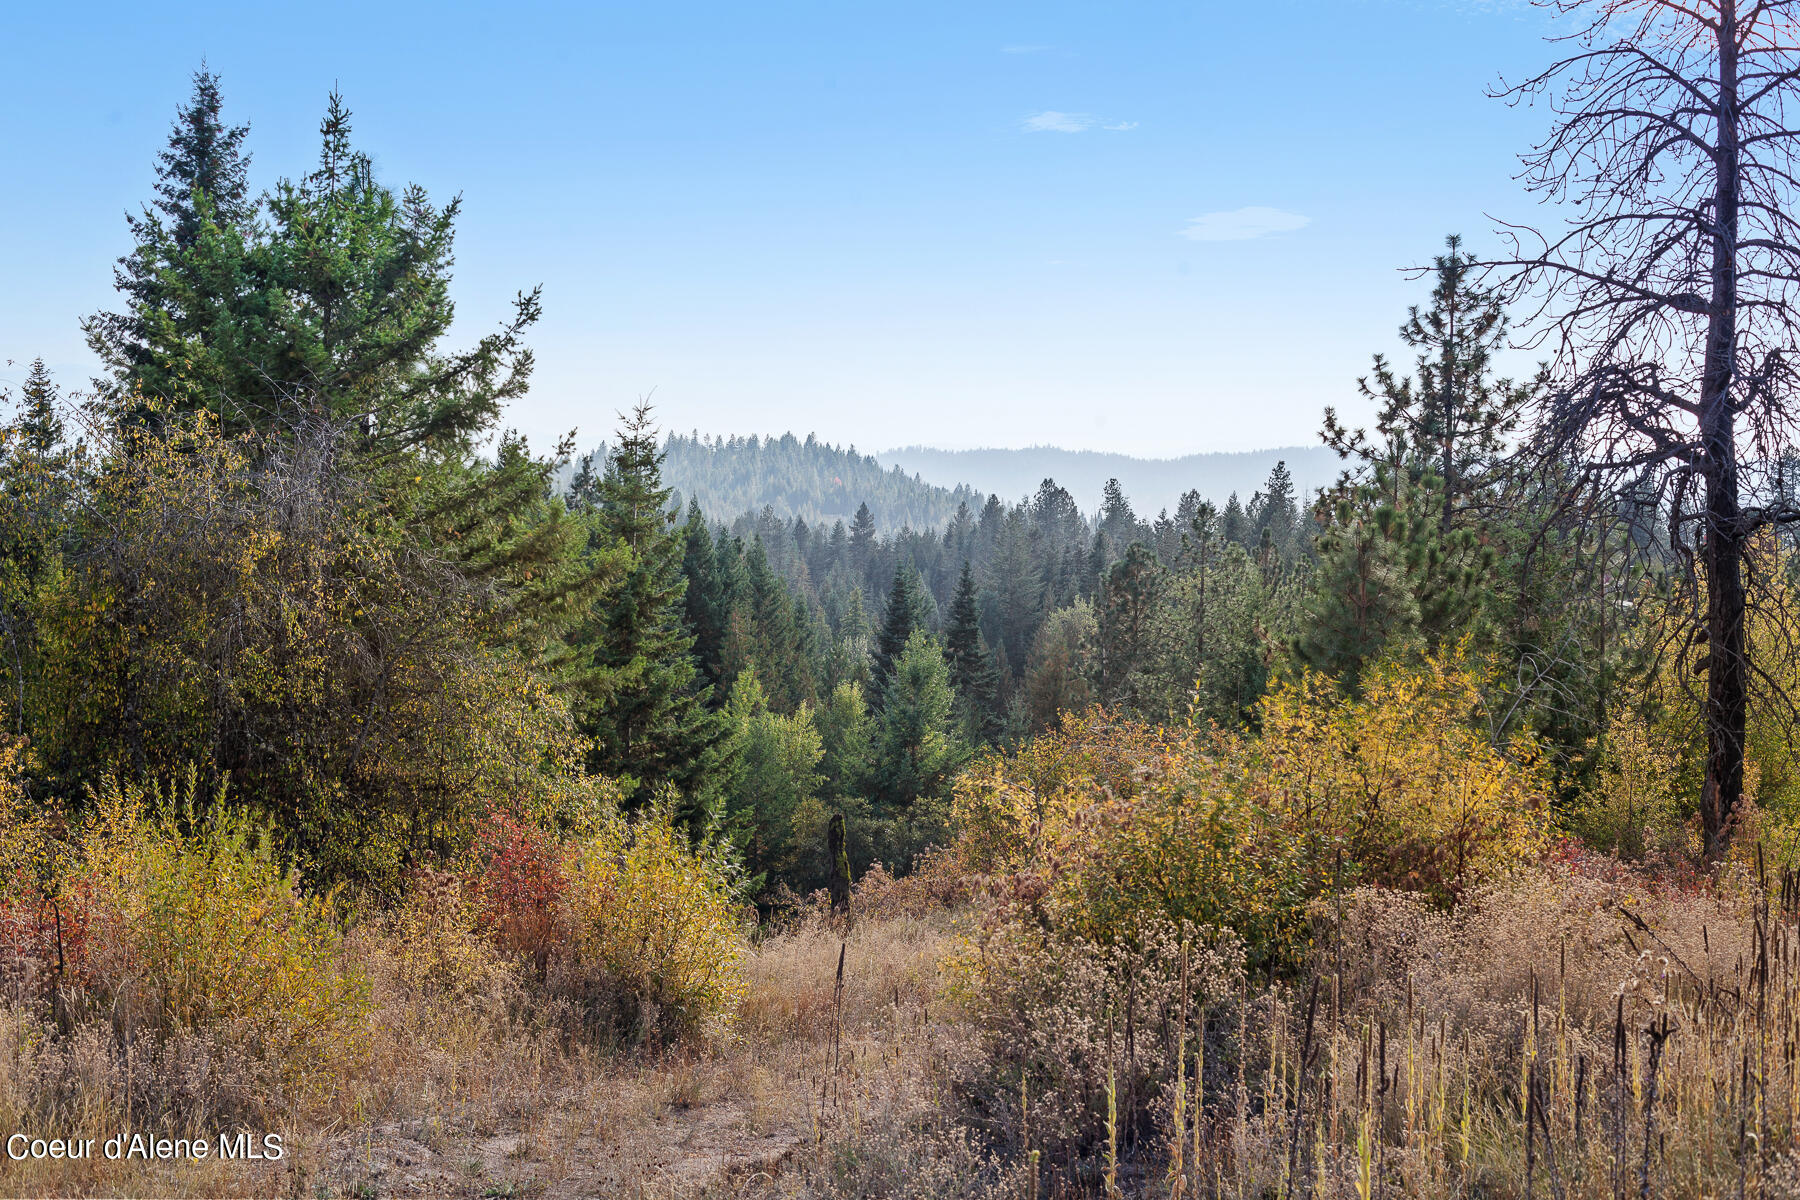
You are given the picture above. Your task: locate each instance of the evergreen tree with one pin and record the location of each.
(1427, 476)
(1208, 637)
(1277, 516)
(1234, 526)
(188, 263)
(333, 308)
(972, 673)
(647, 715)
(1452, 419)
(205, 157)
(705, 601)
(843, 722)
(777, 631)
(37, 425)
(1361, 601)
(775, 775)
(917, 749)
(38, 469)
(1094, 570)
(862, 537)
(897, 626)
(1017, 586)
(1129, 599)
(1117, 521)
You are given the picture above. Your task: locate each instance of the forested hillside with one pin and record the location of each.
(813, 480)
(490, 821)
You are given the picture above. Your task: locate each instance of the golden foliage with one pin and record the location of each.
(656, 919)
(192, 926)
(1403, 786)
(1109, 823)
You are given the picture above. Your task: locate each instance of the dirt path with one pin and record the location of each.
(561, 1153)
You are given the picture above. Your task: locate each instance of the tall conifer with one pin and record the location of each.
(972, 671)
(648, 718)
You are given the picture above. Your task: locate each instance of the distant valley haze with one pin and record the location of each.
(1151, 484)
(922, 487)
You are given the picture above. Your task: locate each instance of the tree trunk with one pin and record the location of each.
(1723, 552)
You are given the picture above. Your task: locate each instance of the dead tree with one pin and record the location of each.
(1667, 297)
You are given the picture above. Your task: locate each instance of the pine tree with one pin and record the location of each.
(1361, 603)
(897, 625)
(1452, 419)
(1129, 599)
(862, 537)
(972, 672)
(1427, 476)
(648, 717)
(191, 243)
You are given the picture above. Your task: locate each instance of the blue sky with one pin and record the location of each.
(1149, 228)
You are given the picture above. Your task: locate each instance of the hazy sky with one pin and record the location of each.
(1151, 228)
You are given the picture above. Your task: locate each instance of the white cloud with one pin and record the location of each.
(1024, 48)
(1242, 224)
(1052, 121)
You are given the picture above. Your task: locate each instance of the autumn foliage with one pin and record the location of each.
(1109, 822)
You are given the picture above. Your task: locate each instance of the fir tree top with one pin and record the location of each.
(206, 156)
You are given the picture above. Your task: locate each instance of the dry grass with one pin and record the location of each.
(1568, 1034)
(1574, 1032)
(476, 1085)
(1412, 1071)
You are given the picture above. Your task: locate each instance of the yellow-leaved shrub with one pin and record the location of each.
(1125, 859)
(1403, 787)
(1108, 823)
(652, 926)
(192, 926)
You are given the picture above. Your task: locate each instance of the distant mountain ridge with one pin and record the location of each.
(1151, 484)
(921, 488)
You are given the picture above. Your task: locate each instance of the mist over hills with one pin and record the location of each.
(1150, 483)
(921, 488)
